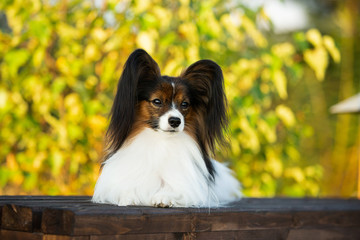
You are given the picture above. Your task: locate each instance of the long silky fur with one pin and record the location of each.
(137, 171)
(206, 84)
(139, 67)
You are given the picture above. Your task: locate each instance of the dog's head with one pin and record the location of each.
(193, 102)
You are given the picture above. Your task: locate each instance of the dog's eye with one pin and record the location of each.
(157, 102)
(184, 105)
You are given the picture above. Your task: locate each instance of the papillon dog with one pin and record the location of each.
(161, 138)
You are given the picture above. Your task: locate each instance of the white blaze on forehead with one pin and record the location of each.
(164, 121)
(172, 100)
(173, 85)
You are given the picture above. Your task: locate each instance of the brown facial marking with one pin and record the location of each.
(180, 100)
(189, 113)
(149, 111)
(164, 94)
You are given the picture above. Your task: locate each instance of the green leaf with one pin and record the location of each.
(15, 59)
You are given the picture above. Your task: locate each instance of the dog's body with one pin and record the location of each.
(161, 135)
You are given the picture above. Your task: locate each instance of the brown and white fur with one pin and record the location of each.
(162, 134)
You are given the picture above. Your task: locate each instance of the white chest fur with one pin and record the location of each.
(162, 169)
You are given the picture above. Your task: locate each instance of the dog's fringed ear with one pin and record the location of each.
(139, 68)
(206, 82)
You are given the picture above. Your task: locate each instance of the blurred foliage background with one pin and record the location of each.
(60, 62)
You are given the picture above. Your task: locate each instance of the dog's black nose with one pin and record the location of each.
(174, 122)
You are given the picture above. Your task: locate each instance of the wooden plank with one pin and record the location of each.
(78, 217)
(19, 218)
(193, 220)
(163, 236)
(250, 220)
(40, 199)
(62, 221)
(268, 234)
(26, 215)
(1, 207)
(93, 224)
(293, 204)
(232, 221)
(62, 237)
(43, 200)
(327, 219)
(292, 234)
(245, 205)
(328, 234)
(16, 235)
(51, 224)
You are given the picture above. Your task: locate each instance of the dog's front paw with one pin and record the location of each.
(162, 201)
(128, 200)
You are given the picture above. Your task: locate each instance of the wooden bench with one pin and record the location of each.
(75, 217)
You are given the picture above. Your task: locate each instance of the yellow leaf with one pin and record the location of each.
(273, 162)
(21, 105)
(38, 57)
(113, 43)
(293, 153)
(215, 27)
(286, 115)
(267, 131)
(264, 88)
(57, 161)
(235, 147)
(192, 53)
(253, 32)
(146, 40)
(231, 91)
(79, 156)
(332, 49)
(184, 2)
(283, 50)
(163, 15)
(18, 178)
(266, 75)
(15, 22)
(246, 82)
(39, 159)
(3, 98)
(213, 45)
(249, 139)
(295, 173)
(317, 59)
(190, 32)
(63, 65)
(97, 123)
(315, 171)
(99, 35)
(91, 81)
(36, 5)
(11, 163)
(92, 52)
(141, 6)
(74, 107)
(170, 67)
(314, 37)
(280, 82)
(184, 13)
(67, 31)
(264, 16)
